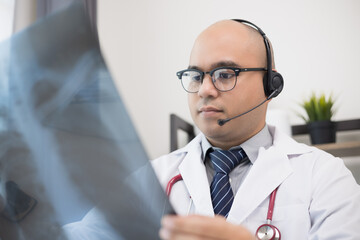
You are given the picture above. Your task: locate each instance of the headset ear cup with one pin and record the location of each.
(265, 84)
(276, 83)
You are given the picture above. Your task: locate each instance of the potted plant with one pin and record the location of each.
(320, 111)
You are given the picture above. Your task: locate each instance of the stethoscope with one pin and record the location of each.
(264, 232)
(268, 231)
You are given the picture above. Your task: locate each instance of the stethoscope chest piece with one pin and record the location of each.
(268, 232)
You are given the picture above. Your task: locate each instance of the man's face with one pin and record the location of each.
(229, 43)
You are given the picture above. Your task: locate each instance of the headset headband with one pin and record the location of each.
(267, 44)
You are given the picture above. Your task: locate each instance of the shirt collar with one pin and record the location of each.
(251, 146)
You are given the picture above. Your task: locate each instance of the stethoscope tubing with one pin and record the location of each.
(276, 235)
(271, 205)
(171, 183)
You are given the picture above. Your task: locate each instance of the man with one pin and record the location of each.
(317, 197)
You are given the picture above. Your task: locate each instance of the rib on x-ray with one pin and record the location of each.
(66, 137)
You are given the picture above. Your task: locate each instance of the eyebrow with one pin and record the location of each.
(216, 65)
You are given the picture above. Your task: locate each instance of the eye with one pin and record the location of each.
(196, 77)
(226, 75)
(191, 76)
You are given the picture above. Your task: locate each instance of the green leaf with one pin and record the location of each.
(318, 108)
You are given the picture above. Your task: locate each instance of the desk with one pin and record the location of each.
(342, 149)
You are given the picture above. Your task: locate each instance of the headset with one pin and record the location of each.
(273, 81)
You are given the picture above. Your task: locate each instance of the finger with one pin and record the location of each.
(196, 225)
(166, 234)
(210, 227)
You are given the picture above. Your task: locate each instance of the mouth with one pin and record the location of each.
(209, 111)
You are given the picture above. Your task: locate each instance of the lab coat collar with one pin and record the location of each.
(270, 169)
(287, 144)
(193, 172)
(267, 173)
(251, 146)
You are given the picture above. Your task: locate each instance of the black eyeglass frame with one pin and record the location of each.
(211, 73)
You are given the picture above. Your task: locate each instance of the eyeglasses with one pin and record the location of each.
(223, 78)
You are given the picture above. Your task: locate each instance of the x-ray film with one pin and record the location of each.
(66, 137)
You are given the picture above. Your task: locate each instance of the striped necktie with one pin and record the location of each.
(221, 193)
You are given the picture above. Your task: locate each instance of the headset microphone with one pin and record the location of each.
(221, 122)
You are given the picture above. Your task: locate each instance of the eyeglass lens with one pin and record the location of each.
(223, 79)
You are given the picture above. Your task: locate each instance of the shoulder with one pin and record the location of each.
(178, 154)
(309, 159)
(315, 166)
(92, 226)
(294, 149)
(167, 165)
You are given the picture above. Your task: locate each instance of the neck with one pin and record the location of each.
(226, 142)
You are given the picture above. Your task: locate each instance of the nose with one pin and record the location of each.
(207, 88)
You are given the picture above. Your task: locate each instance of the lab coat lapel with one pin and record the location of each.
(193, 172)
(270, 169)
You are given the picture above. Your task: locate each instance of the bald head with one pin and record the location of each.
(227, 33)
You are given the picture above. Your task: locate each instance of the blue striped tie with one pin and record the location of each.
(221, 194)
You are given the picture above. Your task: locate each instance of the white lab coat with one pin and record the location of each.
(318, 197)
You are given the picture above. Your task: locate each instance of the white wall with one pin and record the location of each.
(6, 18)
(316, 42)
